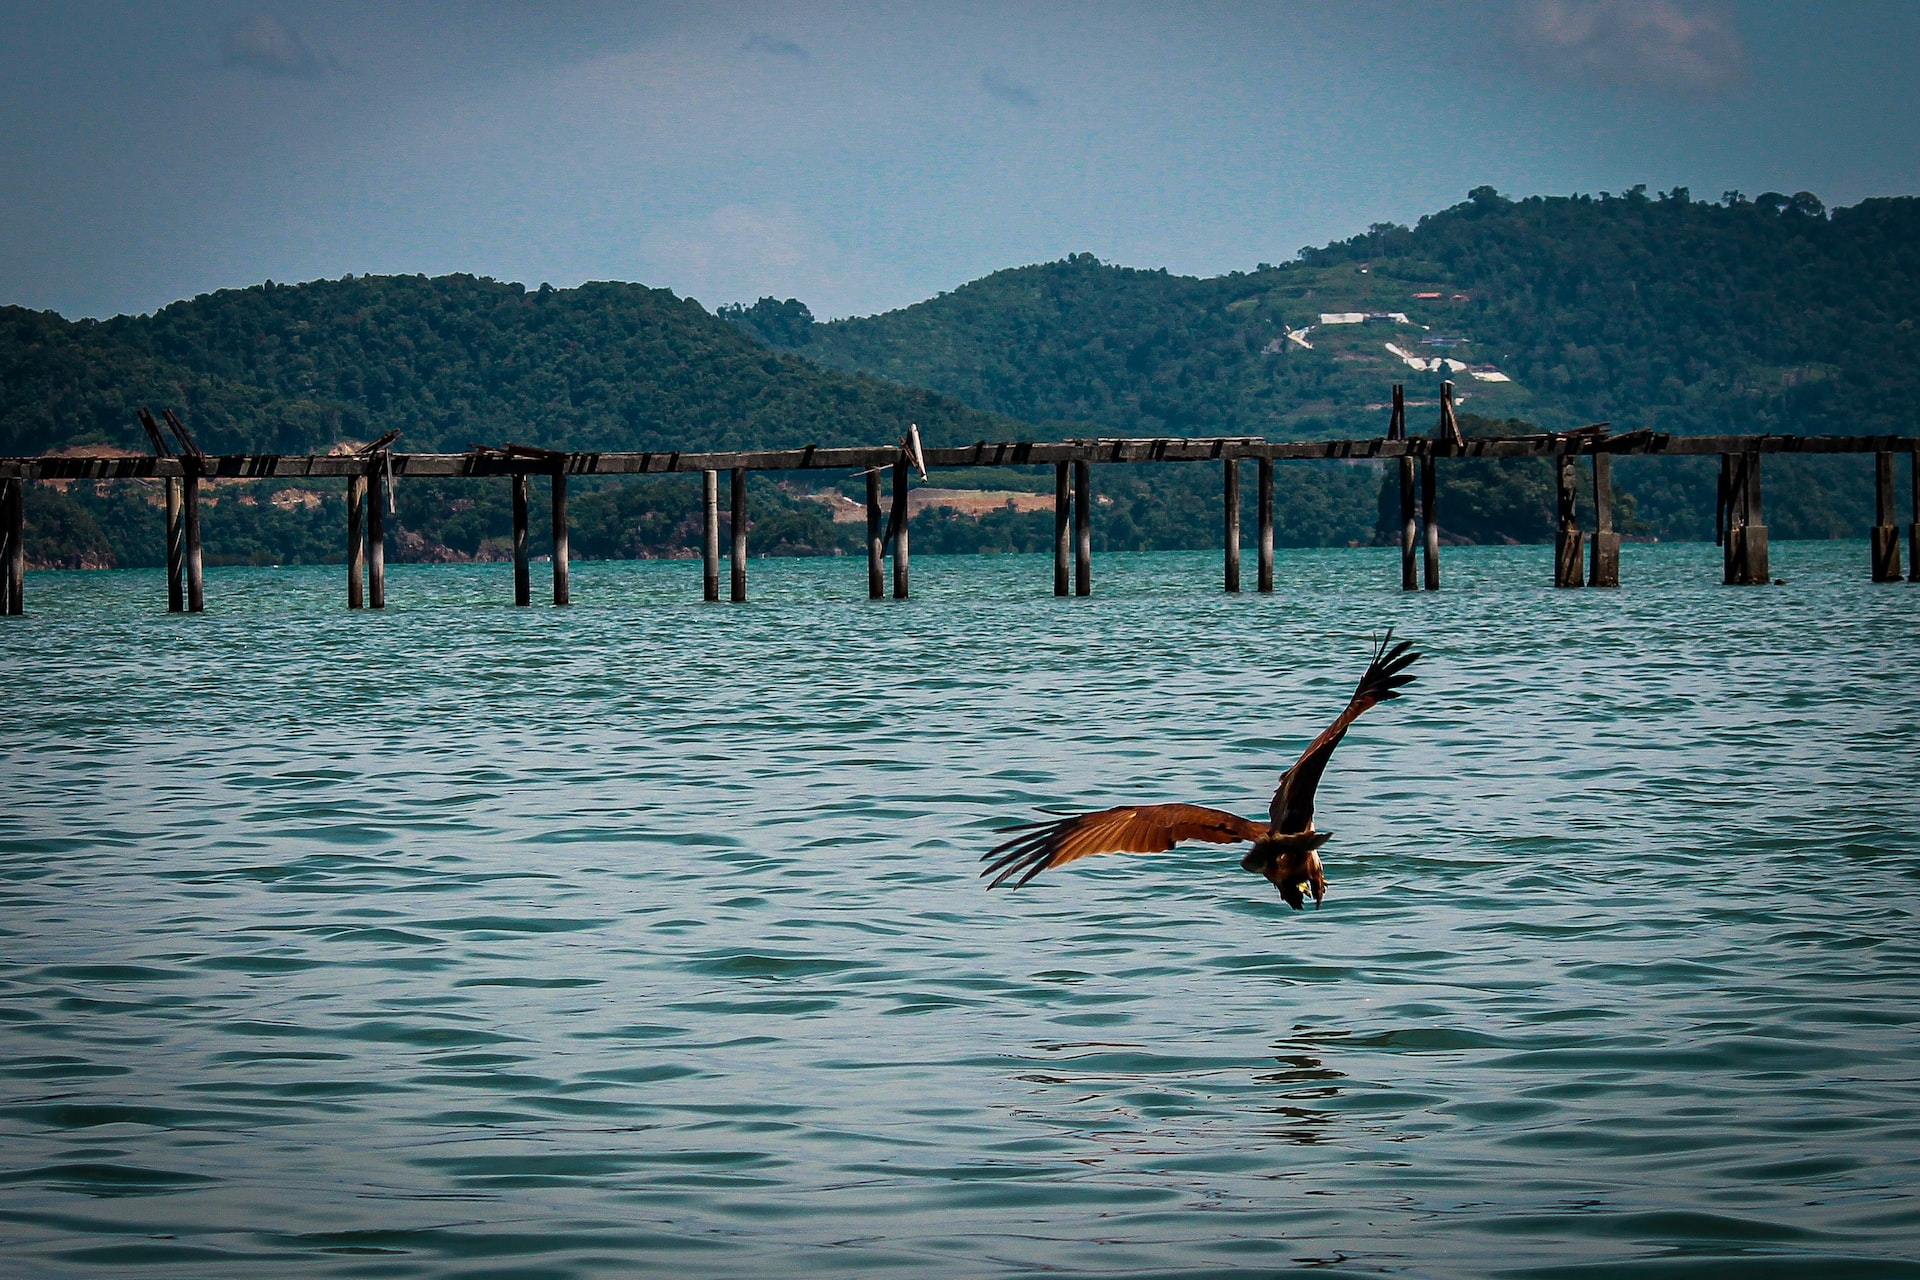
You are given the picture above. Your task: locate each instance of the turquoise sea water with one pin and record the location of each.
(644, 937)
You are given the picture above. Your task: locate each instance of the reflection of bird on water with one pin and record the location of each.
(1285, 849)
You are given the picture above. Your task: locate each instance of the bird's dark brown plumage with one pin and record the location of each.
(1284, 848)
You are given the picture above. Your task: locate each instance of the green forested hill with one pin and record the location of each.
(1666, 312)
(447, 362)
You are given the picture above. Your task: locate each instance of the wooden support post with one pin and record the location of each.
(562, 574)
(1082, 529)
(376, 539)
(902, 563)
(1885, 535)
(1913, 527)
(1062, 507)
(1230, 516)
(190, 517)
(1431, 525)
(356, 546)
(876, 545)
(1605, 560)
(1721, 513)
(1266, 525)
(1567, 537)
(1732, 487)
(1753, 538)
(13, 539)
(522, 570)
(6, 547)
(710, 535)
(737, 487)
(176, 550)
(1409, 529)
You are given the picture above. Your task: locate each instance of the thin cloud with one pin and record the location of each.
(1666, 45)
(998, 84)
(265, 45)
(775, 47)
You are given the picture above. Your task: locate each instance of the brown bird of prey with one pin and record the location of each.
(1285, 847)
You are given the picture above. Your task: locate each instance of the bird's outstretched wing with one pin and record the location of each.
(1138, 828)
(1292, 809)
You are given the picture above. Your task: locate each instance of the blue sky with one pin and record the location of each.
(862, 157)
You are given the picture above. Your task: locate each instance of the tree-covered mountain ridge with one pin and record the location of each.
(1742, 315)
(447, 362)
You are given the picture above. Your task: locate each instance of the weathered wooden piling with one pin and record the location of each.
(1884, 537)
(1745, 553)
(376, 539)
(1409, 529)
(1062, 508)
(1230, 518)
(13, 547)
(902, 558)
(1913, 526)
(562, 575)
(1266, 525)
(1082, 529)
(190, 518)
(737, 487)
(356, 555)
(522, 567)
(176, 533)
(1753, 542)
(1429, 511)
(1409, 526)
(876, 546)
(710, 535)
(1606, 542)
(1567, 538)
(1725, 519)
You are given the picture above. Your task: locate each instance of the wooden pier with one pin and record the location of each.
(371, 473)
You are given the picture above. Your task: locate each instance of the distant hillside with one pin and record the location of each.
(1743, 315)
(447, 362)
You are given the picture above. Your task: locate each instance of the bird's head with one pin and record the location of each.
(1297, 873)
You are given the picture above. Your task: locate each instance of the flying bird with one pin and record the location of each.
(1285, 847)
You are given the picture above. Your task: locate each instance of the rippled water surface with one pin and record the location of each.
(644, 936)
